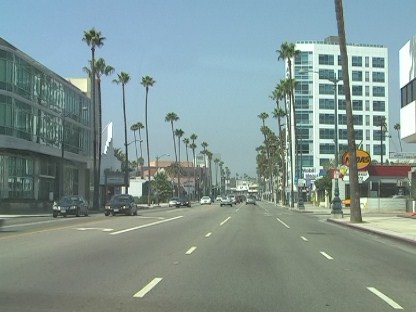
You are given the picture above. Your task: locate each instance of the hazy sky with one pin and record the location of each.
(214, 61)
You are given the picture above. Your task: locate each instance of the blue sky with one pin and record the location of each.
(214, 61)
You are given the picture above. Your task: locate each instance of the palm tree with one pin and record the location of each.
(397, 128)
(216, 161)
(147, 82)
(209, 155)
(179, 133)
(171, 117)
(220, 164)
(94, 39)
(204, 146)
(355, 208)
(123, 79)
(193, 146)
(138, 126)
(100, 68)
(287, 52)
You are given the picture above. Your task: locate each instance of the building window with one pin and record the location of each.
(19, 177)
(367, 91)
(327, 148)
(379, 91)
(367, 61)
(326, 104)
(367, 120)
(326, 134)
(357, 120)
(326, 119)
(357, 75)
(378, 62)
(326, 59)
(367, 76)
(357, 61)
(378, 77)
(357, 105)
(326, 88)
(379, 106)
(357, 90)
(367, 135)
(367, 105)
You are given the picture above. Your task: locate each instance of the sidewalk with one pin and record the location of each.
(394, 225)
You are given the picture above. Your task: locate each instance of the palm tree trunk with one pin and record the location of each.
(148, 152)
(100, 135)
(355, 208)
(126, 165)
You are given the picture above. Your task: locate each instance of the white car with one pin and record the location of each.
(173, 201)
(205, 200)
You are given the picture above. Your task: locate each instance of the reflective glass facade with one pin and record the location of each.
(44, 121)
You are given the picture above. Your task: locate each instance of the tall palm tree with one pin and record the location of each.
(355, 208)
(123, 79)
(209, 155)
(193, 146)
(397, 128)
(220, 164)
(94, 39)
(204, 147)
(147, 82)
(216, 162)
(139, 126)
(101, 68)
(287, 52)
(179, 133)
(172, 117)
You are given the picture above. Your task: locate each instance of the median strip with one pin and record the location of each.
(145, 226)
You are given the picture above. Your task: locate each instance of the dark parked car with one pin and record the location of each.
(121, 203)
(183, 201)
(70, 205)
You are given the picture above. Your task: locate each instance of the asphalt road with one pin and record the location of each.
(203, 258)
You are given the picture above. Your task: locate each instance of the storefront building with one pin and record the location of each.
(45, 134)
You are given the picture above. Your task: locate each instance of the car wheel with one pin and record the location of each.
(135, 212)
(106, 213)
(86, 212)
(54, 215)
(77, 213)
(64, 215)
(113, 213)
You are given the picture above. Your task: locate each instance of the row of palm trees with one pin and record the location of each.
(96, 69)
(268, 161)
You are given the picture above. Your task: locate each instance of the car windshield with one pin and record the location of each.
(69, 200)
(120, 199)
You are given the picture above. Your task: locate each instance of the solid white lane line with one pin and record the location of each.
(385, 298)
(100, 229)
(208, 234)
(326, 255)
(147, 288)
(145, 225)
(223, 222)
(304, 238)
(190, 250)
(284, 224)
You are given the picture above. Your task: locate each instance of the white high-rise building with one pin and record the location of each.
(317, 69)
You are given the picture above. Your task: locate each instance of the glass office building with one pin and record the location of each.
(45, 133)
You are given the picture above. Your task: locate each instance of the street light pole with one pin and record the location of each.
(336, 201)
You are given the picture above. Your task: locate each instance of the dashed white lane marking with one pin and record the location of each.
(145, 225)
(284, 224)
(190, 250)
(147, 288)
(326, 255)
(100, 229)
(226, 220)
(304, 238)
(208, 234)
(385, 298)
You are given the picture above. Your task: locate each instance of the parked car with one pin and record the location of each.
(250, 200)
(183, 201)
(173, 201)
(226, 200)
(218, 198)
(121, 204)
(70, 205)
(205, 200)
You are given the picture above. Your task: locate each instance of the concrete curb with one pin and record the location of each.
(384, 233)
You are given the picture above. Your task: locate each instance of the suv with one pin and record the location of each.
(121, 203)
(225, 200)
